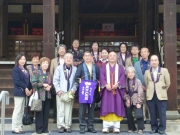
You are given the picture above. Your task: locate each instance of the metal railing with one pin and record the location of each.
(4, 99)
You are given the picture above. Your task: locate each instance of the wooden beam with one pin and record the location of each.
(38, 2)
(25, 1)
(110, 38)
(170, 49)
(49, 28)
(113, 15)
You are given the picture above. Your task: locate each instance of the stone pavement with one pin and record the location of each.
(55, 132)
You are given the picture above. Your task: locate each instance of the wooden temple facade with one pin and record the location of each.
(29, 26)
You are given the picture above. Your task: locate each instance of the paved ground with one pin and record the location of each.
(54, 132)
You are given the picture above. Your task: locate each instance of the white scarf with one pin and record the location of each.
(108, 73)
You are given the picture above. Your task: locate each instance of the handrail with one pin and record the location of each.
(4, 97)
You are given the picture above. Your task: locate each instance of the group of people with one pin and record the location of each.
(124, 83)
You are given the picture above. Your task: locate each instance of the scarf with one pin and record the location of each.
(44, 76)
(158, 76)
(144, 65)
(67, 75)
(25, 72)
(87, 75)
(115, 73)
(123, 61)
(95, 60)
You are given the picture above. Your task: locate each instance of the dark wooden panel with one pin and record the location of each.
(170, 49)
(25, 37)
(110, 38)
(104, 15)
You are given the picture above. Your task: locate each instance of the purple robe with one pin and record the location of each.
(112, 103)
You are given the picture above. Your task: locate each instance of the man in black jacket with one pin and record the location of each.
(88, 71)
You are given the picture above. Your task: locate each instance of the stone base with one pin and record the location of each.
(172, 115)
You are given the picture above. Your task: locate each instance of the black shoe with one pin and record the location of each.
(161, 132)
(91, 130)
(45, 131)
(61, 130)
(153, 132)
(82, 131)
(38, 132)
(68, 130)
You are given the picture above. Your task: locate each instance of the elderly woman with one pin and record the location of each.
(59, 60)
(123, 54)
(63, 81)
(22, 88)
(104, 58)
(34, 67)
(133, 97)
(42, 81)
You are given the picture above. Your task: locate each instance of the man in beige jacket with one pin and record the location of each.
(157, 82)
(59, 60)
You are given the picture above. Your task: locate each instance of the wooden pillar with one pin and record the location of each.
(5, 28)
(1, 28)
(48, 28)
(67, 23)
(60, 16)
(74, 17)
(150, 21)
(170, 49)
(142, 22)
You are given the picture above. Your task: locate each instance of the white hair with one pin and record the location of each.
(130, 68)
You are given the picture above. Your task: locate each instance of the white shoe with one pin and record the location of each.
(116, 130)
(105, 130)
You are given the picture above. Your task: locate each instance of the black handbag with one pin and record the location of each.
(27, 116)
(138, 113)
(97, 96)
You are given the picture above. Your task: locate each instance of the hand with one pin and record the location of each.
(48, 88)
(30, 92)
(144, 88)
(127, 103)
(73, 92)
(108, 87)
(27, 91)
(115, 86)
(45, 85)
(59, 93)
(138, 106)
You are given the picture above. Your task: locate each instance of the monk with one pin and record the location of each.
(112, 82)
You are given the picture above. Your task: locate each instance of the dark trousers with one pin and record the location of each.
(54, 108)
(157, 105)
(42, 117)
(130, 119)
(82, 114)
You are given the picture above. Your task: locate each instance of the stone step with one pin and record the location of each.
(6, 73)
(4, 82)
(172, 126)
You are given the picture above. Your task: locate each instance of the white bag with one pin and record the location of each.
(33, 96)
